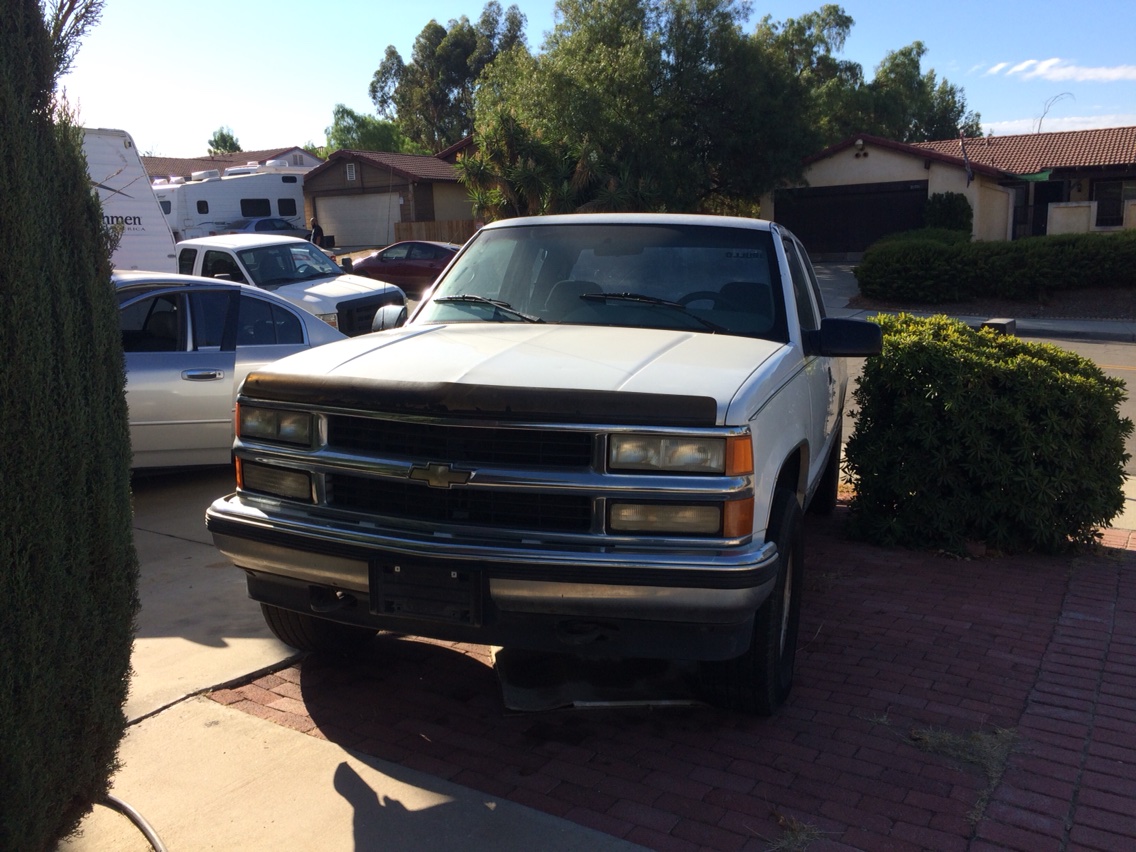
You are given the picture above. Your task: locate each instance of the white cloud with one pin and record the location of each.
(1061, 70)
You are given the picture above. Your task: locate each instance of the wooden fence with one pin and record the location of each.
(453, 231)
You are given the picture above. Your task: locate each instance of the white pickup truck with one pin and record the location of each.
(294, 269)
(598, 434)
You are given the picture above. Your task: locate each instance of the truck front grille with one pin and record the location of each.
(522, 510)
(542, 448)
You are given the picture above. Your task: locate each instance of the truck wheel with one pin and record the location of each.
(308, 633)
(824, 499)
(760, 679)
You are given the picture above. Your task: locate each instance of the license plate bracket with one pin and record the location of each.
(451, 595)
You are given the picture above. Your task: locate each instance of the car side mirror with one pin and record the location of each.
(844, 338)
(347, 264)
(389, 316)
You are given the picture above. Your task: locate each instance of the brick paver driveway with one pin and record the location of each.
(940, 704)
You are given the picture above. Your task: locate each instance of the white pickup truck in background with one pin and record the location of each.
(295, 269)
(598, 434)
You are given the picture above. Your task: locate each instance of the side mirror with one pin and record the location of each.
(845, 338)
(389, 316)
(347, 264)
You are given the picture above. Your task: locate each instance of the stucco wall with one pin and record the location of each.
(994, 212)
(1071, 217)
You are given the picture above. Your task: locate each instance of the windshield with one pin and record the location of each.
(275, 266)
(713, 279)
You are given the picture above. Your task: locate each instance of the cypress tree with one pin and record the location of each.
(68, 570)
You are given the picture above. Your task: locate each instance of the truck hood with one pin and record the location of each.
(634, 360)
(332, 288)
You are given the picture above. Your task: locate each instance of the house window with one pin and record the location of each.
(297, 159)
(351, 171)
(1110, 196)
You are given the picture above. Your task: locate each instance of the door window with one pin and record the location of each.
(153, 325)
(262, 323)
(208, 312)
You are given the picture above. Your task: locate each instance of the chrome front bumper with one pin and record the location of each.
(706, 587)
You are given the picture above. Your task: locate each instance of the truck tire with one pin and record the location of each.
(828, 490)
(759, 681)
(307, 633)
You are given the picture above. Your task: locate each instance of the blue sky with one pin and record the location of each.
(170, 74)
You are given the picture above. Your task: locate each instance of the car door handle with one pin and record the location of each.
(202, 375)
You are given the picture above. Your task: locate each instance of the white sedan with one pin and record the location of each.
(189, 343)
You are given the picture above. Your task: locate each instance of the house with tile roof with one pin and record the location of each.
(864, 187)
(373, 198)
(183, 167)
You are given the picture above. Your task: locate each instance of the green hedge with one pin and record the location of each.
(925, 268)
(68, 571)
(967, 435)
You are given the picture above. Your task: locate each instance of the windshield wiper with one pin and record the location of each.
(495, 303)
(651, 300)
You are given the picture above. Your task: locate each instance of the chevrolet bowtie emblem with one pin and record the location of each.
(439, 475)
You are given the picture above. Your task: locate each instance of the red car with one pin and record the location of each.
(412, 265)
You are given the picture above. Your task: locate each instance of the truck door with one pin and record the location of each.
(822, 381)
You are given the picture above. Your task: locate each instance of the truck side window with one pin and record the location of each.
(814, 285)
(218, 264)
(186, 258)
(806, 311)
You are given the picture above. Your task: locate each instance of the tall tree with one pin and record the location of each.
(912, 106)
(69, 21)
(224, 142)
(69, 571)
(358, 132)
(649, 104)
(835, 99)
(431, 97)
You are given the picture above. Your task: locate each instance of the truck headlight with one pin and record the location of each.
(681, 454)
(271, 424)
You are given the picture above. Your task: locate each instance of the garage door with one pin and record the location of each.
(848, 219)
(359, 220)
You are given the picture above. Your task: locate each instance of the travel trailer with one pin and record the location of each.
(204, 205)
(127, 199)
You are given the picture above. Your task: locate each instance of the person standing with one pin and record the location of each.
(317, 233)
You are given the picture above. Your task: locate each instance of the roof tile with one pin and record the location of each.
(1035, 152)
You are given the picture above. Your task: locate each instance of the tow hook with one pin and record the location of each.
(328, 600)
